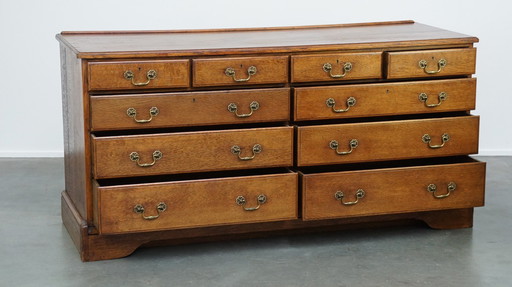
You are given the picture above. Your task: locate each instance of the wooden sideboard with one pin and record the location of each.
(182, 136)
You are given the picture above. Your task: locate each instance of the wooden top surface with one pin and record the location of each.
(125, 44)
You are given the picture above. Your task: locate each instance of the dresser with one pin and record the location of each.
(176, 137)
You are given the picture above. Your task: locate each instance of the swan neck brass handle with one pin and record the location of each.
(423, 97)
(331, 103)
(150, 75)
(432, 188)
(347, 67)
(251, 71)
(240, 200)
(352, 145)
(256, 149)
(440, 65)
(233, 108)
(427, 139)
(132, 113)
(139, 209)
(339, 196)
(134, 156)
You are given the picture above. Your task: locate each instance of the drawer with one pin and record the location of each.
(336, 67)
(188, 109)
(129, 75)
(393, 190)
(195, 203)
(350, 101)
(431, 63)
(240, 71)
(139, 155)
(391, 140)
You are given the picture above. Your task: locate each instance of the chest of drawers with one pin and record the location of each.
(184, 136)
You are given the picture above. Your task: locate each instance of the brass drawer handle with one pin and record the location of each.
(251, 71)
(150, 75)
(132, 113)
(139, 209)
(347, 67)
(257, 148)
(134, 156)
(240, 200)
(440, 65)
(433, 189)
(427, 139)
(423, 97)
(233, 108)
(331, 103)
(339, 196)
(352, 144)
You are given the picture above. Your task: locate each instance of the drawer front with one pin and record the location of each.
(240, 71)
(188, 109)
(376, 141)
(129, 75)
(394, 190)
(196, 203)
(431, 63)
(125, 156)
(315, 103)
(336, 67)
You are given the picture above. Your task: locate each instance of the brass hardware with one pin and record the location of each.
(339, 196)
(347, 67)
(257, 148)
(240, 200)
(352, 144)
(161, 207)
(427, 139)
(150, 75)
(440, 65)
(251, 71)
(331, 103)
(134, 156)
(233, 108)
(423, 98)
(433, 189)
(132, 113)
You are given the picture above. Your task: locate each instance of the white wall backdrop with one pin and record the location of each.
(30, 95)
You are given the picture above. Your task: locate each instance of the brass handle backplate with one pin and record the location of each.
(257, 148)
(327, 67)
(139, 209)
(132, 113)
(339, 196)
(134, 156)
(150, 75)
(423, 97)
(427, 139)
(233, 108)
(251, 71)
(352, 144)
(440, 65)
(240, 200)
(331, 103)
(433, 189)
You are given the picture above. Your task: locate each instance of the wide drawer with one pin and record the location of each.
(314, 103)
(240, 71)
(335, 67)
(189, 109)
(377, 141)
(194, 203)
(128, 75)
(393, 190)
(431, 63)
(125, 156)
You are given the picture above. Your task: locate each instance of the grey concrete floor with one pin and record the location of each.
(35, 249)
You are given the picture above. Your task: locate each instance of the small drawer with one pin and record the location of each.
(351, 101)
(336, 67)
(195, 203)
(154, 154)
(391, 140)
(240, 71)
(393, 190)
(189, 109)
(129, 75)
(431, 63)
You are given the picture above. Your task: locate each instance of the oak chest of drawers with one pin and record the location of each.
(181, 136)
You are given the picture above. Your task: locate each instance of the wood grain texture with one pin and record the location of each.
(397, 98)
